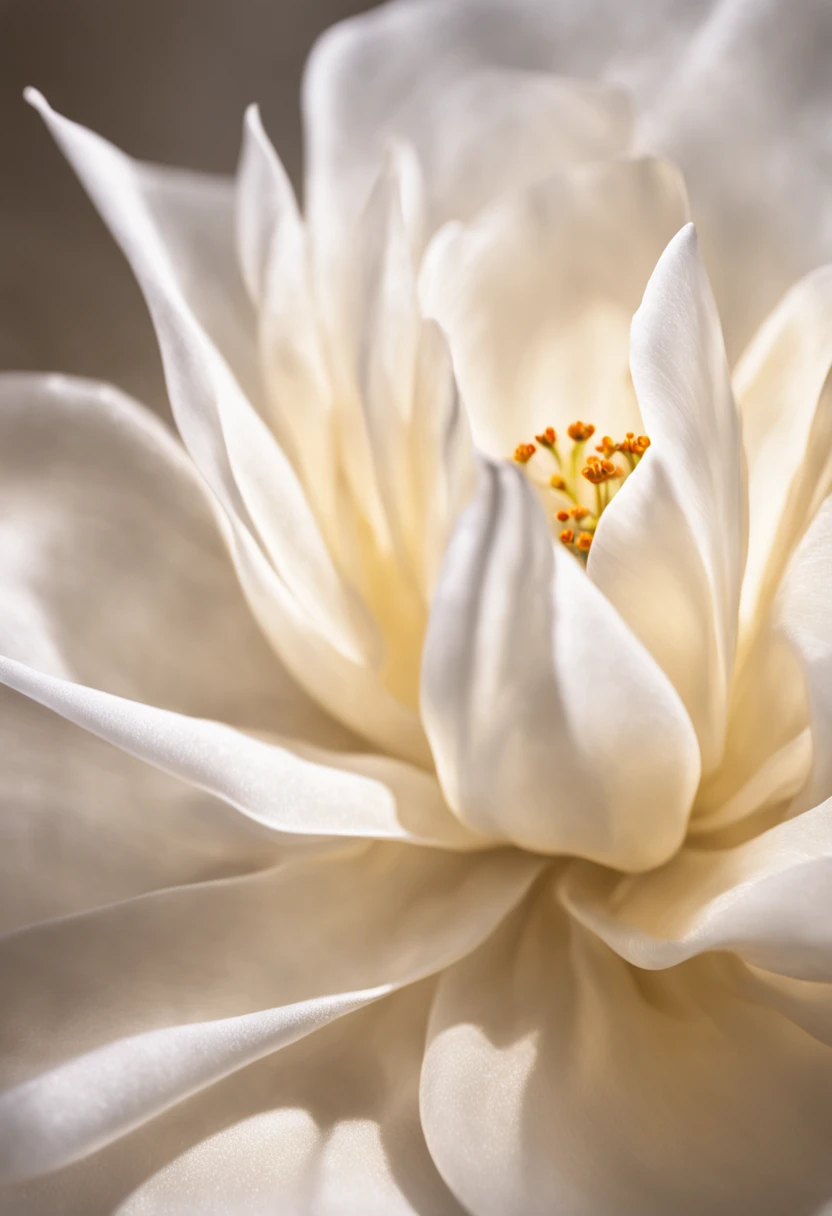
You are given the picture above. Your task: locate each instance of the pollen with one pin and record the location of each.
(575, 504)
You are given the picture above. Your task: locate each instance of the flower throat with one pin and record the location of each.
(603, 473)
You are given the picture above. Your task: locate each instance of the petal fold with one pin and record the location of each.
(550, 724)
(669, 552)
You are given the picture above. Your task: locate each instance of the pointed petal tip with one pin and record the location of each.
(36, 99)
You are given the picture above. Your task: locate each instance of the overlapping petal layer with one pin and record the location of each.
(549, 722)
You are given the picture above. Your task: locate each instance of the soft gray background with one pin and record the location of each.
(167, 80)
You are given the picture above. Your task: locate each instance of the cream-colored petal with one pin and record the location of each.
(787, 431)
(84, 824)
(230, 443)
(550, 724)
(111, 568)
(111, 1017)
(669, 551)
(538, 293)
(767, 900)
(449, 79)
(328, 1125)
(803, 614)
(558, 1078)
(270, 782)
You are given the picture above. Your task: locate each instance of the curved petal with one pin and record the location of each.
(803, 614)
(83, 824)
(269, 782)
(768, 900)
(736, 94)
(558, 1078)
(537, 295)
(449, 79)
(230, 443)
(670, 549)
(540, 705)
(329, 1124)
(124, 1011)
(786, 407)
(111, 568)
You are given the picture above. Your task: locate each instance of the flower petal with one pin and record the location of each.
(230, 443)
(787, 430)
(271, 783)
(768, 900)
(550, 724)
(537, 295)
(83, 824)
(558, 1078)
(670, 549)
(329, 1124)
(111, 567)
(803, 614)
(449, 80)
(116, 1015)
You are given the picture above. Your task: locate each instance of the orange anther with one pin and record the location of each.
(578, 512)
(607, 446)
(566, 536)
(584, 541)
(580, 431)
(556, 482)
(524, 452)
(562, 516)
(547, 438)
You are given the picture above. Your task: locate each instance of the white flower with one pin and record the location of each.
(498, 877)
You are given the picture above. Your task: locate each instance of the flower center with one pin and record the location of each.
(576, 472)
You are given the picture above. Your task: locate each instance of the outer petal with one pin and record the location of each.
(550, 724)
(557, 1078)
(309, 614)
(270, 783)
(803, 612)
(735, 93)
(84, 824)
(769, 900)
(670, 550)
(787, 430)
(329, 1125)
(537, 295)
(111, 569)
(112, 1017)
(449, 79)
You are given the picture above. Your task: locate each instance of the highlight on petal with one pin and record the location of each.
(537, 294)
(270, 783)
(329, 1124)
(114, 1016)
(669, 552)
(550, 724)
(557, 1077)
(803, 615)
(228, 440)
(768, 900)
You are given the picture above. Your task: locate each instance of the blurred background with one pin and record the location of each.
(166, 80)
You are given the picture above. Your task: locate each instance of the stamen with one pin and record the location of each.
(524, 452)
(600, 471)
